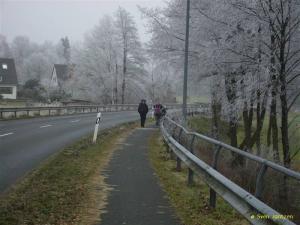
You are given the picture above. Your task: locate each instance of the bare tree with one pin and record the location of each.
(4, 47)
(66, 50)
(133, 59)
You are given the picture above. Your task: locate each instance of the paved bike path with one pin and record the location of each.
(136, 198)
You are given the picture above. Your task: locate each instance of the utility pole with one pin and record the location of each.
(186, 61)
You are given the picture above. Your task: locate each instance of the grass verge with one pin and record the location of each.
(203, 125)
(68, 188)
(190, 202)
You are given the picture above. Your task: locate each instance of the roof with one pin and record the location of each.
(61, 71)
(8, 74)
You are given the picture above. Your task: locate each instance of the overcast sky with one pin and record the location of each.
(43, 20)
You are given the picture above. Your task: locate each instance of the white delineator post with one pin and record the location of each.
(97, 127)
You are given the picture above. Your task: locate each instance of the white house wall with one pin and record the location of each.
(10, 96)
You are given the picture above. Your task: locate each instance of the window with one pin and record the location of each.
(4, 66)
(6, 90)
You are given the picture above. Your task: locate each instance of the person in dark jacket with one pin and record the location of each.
(143, 110)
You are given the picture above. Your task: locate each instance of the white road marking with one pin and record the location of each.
(48, 125)
(3, 135)
(75, 121)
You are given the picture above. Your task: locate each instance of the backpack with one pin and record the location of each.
(157, 109)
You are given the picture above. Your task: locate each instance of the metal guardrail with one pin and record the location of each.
(48, 111)
(63, 109)
(241, 200)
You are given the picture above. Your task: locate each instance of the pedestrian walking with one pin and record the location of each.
(159, 112)
(143, 110)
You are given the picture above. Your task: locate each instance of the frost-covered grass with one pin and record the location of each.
(203, 125)
(295, 139)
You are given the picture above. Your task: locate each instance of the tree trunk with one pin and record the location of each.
(273, 108)
(124, 73)
(247, 132)
(247, 118)
(216, 113)
(116, 85)
(283, 98)
(274, 127)
(263, 109)
(233, 133)
(230, 86)
(258, 121)
(284, 127)
(110, 69)
(258, 92)
(231, 93)
(216, 105)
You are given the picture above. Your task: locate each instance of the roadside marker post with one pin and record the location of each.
(97, 127)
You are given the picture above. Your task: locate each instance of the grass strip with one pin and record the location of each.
(190, 202)
(68, 188)
(203, 125)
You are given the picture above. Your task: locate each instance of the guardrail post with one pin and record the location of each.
(216, 156)
(178, 161)
(191, 172)
(165, 141)
(167, 147)
(178, 164)
(15, 114)
(259, 180)
(173, 135)
(212, 193)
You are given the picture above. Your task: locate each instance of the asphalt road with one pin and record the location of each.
(26, 143)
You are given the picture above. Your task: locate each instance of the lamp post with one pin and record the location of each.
(186, 61)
